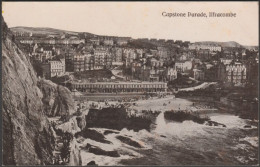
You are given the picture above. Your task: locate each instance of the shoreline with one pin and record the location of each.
(139, 105)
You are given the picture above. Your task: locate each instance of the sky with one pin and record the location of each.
(141, 19)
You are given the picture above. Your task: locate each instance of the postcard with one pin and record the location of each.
(130, 83)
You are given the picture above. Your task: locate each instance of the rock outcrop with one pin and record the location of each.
(57, 99)
(27, 136)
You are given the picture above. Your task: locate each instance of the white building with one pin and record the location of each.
(225, 61)
(108, 42)
(57, 67)
(183, 66)
(121, 42)
(202, 46)
(95, 41)
(129, 55)
(156, 63)
(171, 74)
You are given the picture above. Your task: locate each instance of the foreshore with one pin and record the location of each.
(101, 123)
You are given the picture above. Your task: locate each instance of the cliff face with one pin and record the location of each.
(27, 138)
(57, 100)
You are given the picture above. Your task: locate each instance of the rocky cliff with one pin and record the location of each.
(57, 99)
(27, 138)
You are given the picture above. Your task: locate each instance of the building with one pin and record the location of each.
(136, 69)
(102, 59)
(69, 56)
(89, 62)
(208, 65)
(42, 54)
(156, 63)
(226, 61)
(108, 60)
(183, 66)
(22, 34)
(117, 64)
(220, 71)
(52, 40)
(95, 41)
(252, 70)
(236, 74)
(102, 47)
(211, 47)
(183, 57)
(163, 52)
(99, 59)
(203, 54)
(117, 54)
(119, 87)
(73, 40)
(89, 47)
(217, 73)
(57, 67)
(154, 75)
(198, 74)
(140, 53)
(79, 62)
(171, 74)
(108, 42)
(53, 68)
(121, 42)
(129, 55)
(47, 54)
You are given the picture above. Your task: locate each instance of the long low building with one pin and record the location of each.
(117, 87)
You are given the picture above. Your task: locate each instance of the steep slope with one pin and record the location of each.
(27, 134)
(57, 99)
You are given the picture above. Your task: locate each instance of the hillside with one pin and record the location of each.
(222, 44)
(232, 44)
(250, 47)
(47, 31)
(141, 44)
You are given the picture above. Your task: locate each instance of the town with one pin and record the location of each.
(177, 63)
(92, 65)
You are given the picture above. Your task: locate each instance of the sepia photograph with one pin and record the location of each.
(130, 83)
